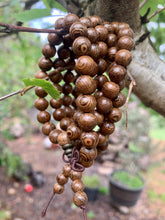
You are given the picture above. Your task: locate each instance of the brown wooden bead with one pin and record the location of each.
(41, 104)
(61, 179)
(67, 170)
(110, 89)
(86, 164)
(92, 35)
(103, 48)
(58, 63)
(102, 139)
(95, 51)
(77, 186)
(115, 115)
(101, 80)
(87, 121)
(53, 135)
(47, 128)
(85, 84)
(77, 115)
(81, 46)
(102, 147)
(122, 84)
(125, 42)
(125, 32)
(67, 100)
(86, 21)
(63, 139)
(59, 23)
(77, 29)
(67, 40)
(67, 88)
(123, 57)
(74, 175)
(55, 76)
(123, 25)
(58, 188)
(88, 154)
(45, 64)
(107, 128)
(78, 144)
(80, 199)
(54, 39)
(48, 50)
(104, 105)
(43, 117)
(115, 25)
(86, 103)
(63, 52)
(98, 94)
(69, 77)
(55, 103)
(64, 123)
(40, 92)
(69, 20)
(102, 31)
(40, 75)
(100, 117)
(75, 92)
(95, 20)
(86, 65)
(112, 64)
(119, 100)
(89, 139)
(68, 111)
(102, 65)
(73, 131)
(111, 53)
(58, 114)
(58, 87)
(109, 27)
(117, 73)
(111, 40)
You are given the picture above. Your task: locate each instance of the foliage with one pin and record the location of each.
(91, 181)
(104, 190)
(90, 214)
(4, 215)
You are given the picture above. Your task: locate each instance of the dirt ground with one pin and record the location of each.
(28, 206)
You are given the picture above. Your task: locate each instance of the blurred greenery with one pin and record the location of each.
(4, 214)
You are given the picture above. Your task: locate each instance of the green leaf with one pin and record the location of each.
(54, 4)
(32, 14)
(46, 85)
(90, 214)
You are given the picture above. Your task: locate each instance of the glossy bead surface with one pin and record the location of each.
(80, 199)
(69, 20)
(55, 76)
(102, 31)
(68, 111)
(78, 29)
(100, 117)
(40, 75)
(86, 164)
(41, 104)
(125, 42)
(48, 50)
(63, 52)
(53, 135)
(125, 32)
(107, 128)
(77, 186)
(86, 21)
(92, 35)
(110, 89)
(58, 63)
(111, 40)
(66, 170)
(47, 128)
(123, 57)
(95, 51)
(43, 116)
(85, 84)
(54, 39)
(67, 88)
(69, 77)
(102, 65)
(101, 80)
(103, 147)
(87, 121)
(103, 48)
(58, 114)
(88, 154)
(104, 105)
(119, 100)
(73, 132)
(102, 139)
(115, 115)
(64, 123)
(67, 100)
(86, 103)
(59, 23)
(45, 64)
(74, 175)
(77, 116)
(58, 188)
(81, 46)
(61, 179)
(111, 53)
(40, 92)
(55, 103)
(89, 139)
(117, 73)
(63, 139)
(95, 20)
(98, 94)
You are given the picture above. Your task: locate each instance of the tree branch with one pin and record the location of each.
(143, 3)
(155, 13)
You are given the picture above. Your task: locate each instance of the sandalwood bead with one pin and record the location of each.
(119, 100)
(101, 80)
(102, 65)
(66, 170)
(53, 135)
(92, 35)
(117, 73)
(68, 111)
(86, 103)
(69, 77)
(122, 84)
(59, 23)
(80, 199)
(58, 114)
(111, 40)
(55, 103)
(59, 63)
(41, 104)
(47, 128)
(115, 24)
(77, 186)
(123, 25)
(98, 94)
(100, 117)
(88, 154)
(48, 50)
(125, 32)
(63, 139)
(104, 105)
(87, 121)
(81, 46)
(45, 64)
(103, 48)
(109, 27)
(102, 139)
(125, 42)
(111, 53)
(86, 164)
(67, 40)
(67, 88)
(58, 188)
(77, 115)
(67, 100)
(63, 52)
(77, 29)
(55, 76)
(54, 39)
(43, 117)
(40, 92)
(123, 57)
(69, 20)
(115, 115)
(95, 51)
(95, 20)
(102, 31)
(107, 128)
(86, 21)
(61, 179)
(73, 132)
(40, 75)
(58, 87)
(85, 84)
(74, 175)
(64, 123)
(89, 139)
(110, 89)
(102, 147)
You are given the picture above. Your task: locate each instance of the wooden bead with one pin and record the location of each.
(59, 23)
(63, 52)
(102, 139)
(115, 115)
(102, 147)
(86, 65)
(85, 84)
(67, 88)
(40, 75)
(89, 139)
(101, 80)
(54, 39)
(86, 21)
(102, 65)
(47, 128)
(107, 128)
(61, 179)
(123, 25)
(67, 170)
(87, 121)
(81, 46)
(123, 57)
(122, 84)
(55, 103)
(110, 89)
(88, 154)
(77, 116)
(111, 40)
(104, 105)
(74, 175)
(75, 92)
(103, 48)
(58, 188)
(58, 63)
(98, 94)
(95, 51)
(100, 117)
(67, 41)
(40, 92)
(117, 73)
(102, 31)
(119, 100)
(41, 104)
(53, 135)
(80, 199)
(48, 50)
(109, 27)
(77, 29)
(115, 25)
(86, 164)
(92, 35)
(63, 139)
(55, 76)
(45, 64)
(68, 111)
(73, 131)
(69, 77)
(77, 186)
(64, 123)
(86, 103)
(67, 100)
(125, 42)
(125, 32)
(58, 114)
(43, 117)
(69, 20)
(95, 20)
(111, 53)
(58, 87)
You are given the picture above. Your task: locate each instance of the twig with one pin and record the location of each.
(155, 13)
(143, 3)
(142, 38)
(9, 28)
(143, 18)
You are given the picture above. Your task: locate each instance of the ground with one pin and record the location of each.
(28, 206)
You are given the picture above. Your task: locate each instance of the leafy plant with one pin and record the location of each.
(91, 181)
